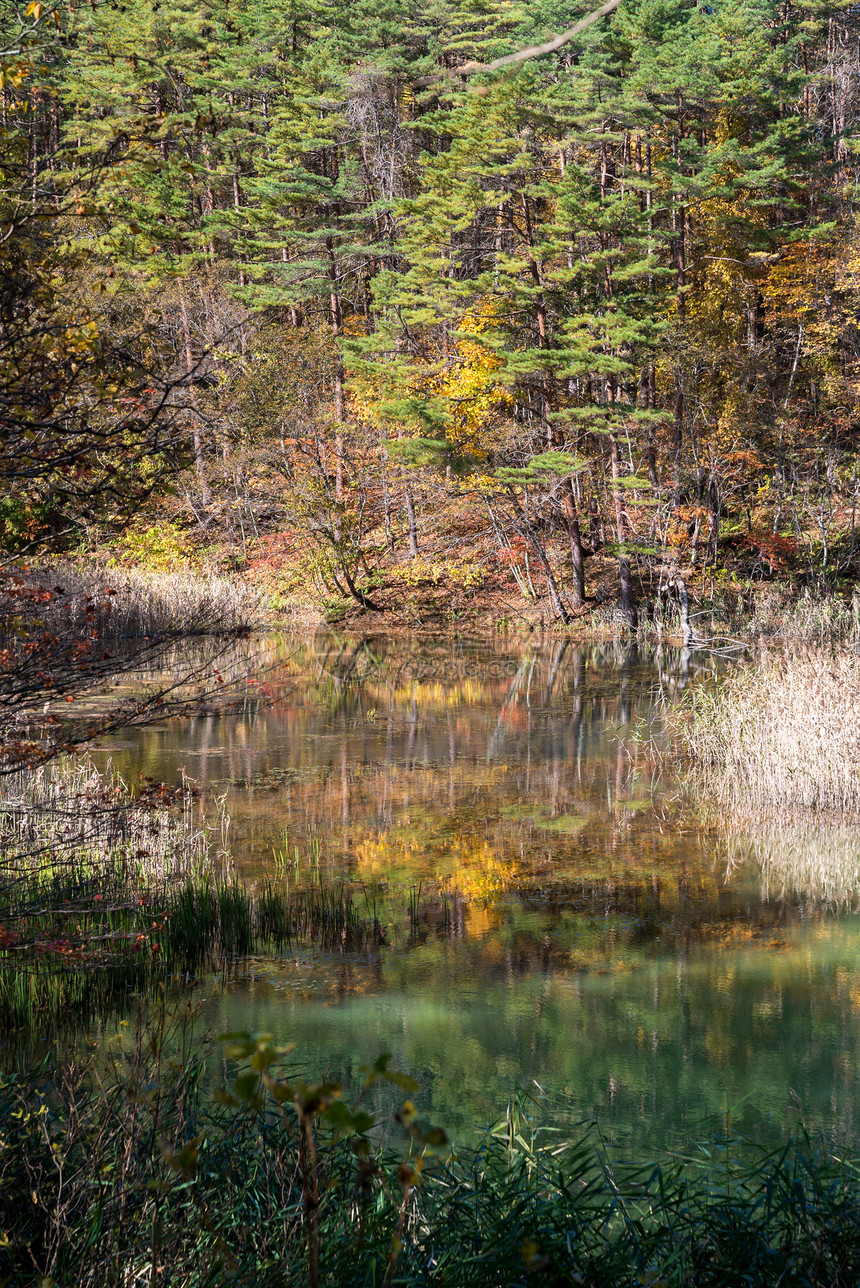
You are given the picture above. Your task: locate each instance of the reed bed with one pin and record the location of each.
(130, 1172)
(814, 619)
(132, 603)
(82, 821)
(87, 877)
(221, 921)
(781, 733)
(74, 950)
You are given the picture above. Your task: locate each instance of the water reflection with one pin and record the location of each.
(814, 859)
(416, 759)
(554, 909)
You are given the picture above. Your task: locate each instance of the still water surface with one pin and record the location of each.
(559, 911)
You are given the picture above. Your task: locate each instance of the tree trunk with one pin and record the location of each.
(335, 316)
(524, 523)
(199, 458)
(413, 527)
(577, 557)
(626, 599)
(679, 586)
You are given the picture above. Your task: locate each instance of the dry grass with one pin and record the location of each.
(132, 603)
(782, 733)
(808, 619)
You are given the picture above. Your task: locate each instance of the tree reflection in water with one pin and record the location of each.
(558, 907)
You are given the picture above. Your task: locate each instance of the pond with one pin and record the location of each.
(560, 913)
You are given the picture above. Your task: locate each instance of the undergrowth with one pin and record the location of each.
(129, 1171)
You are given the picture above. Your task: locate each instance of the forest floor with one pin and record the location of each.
(754, 584)
(741, 597)
(469, 574)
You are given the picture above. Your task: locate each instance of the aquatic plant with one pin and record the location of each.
(823, 619)
(73, 947)
(104, 893)
(802, 855)
(72, 817)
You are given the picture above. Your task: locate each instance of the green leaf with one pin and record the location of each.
(557, 463)
(182, 1160)
(263, 1057)
(224, 1097)
(380, 1069)
(247, 1085)
(347, 1122)
(403, 1081)
(434, 1137)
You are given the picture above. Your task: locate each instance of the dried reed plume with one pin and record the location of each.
(782, 733)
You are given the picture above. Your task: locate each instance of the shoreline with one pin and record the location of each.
(185, 599)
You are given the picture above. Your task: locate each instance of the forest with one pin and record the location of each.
(429, 643)
(315, 293)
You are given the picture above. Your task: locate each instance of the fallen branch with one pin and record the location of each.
(531, 51)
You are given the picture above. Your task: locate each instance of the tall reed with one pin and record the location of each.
(782, 732)
(823, 620)
(72, 817)
(131, 603)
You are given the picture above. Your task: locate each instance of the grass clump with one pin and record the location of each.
(75, 947)
(71, 817)
(782, 732)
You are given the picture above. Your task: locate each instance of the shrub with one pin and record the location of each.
(162, 547)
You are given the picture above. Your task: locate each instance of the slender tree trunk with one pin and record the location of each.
(336, 326)
(646, 398)
(678, 437)
(386, 497)
(568, 501)
(535, 269)
(679, 586)
(679, 248)
(626, 599)
(527, 530)
(410, 515)
(199, 457)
